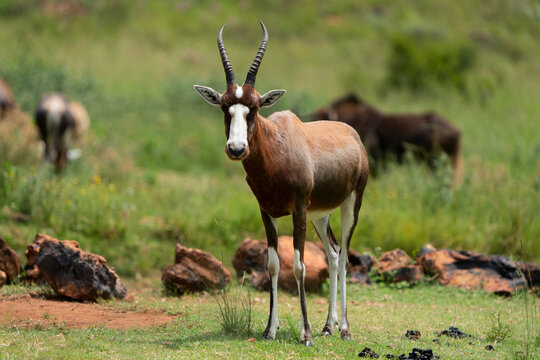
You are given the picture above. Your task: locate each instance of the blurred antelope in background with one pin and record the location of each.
(427, 134)
(61, 123)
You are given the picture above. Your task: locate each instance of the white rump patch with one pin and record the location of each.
(239, 92)
(318, 214)
(74, 154)
(55, 107)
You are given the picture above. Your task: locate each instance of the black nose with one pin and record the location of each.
(236, 151)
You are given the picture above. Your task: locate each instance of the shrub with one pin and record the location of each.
(417, 63)
(18, 139)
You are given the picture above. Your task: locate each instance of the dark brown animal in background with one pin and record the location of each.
(427, 135)
(304, 170)
(60, 123)
(7, 100)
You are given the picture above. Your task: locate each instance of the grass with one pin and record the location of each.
(154, 173)
(379, 317)
(160, 147)
(235, 312)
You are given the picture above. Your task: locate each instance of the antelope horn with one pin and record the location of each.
(252, 73)
(229, 72)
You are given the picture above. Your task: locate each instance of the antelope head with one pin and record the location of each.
(240, 104)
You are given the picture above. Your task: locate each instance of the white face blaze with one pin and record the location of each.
(238, 130)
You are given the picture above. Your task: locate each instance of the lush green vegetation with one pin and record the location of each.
(153, 170)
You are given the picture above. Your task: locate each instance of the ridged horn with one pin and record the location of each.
(252, 73)
(229, 72)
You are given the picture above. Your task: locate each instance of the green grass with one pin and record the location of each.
(161, 147)
(154, 172)
(379, 318)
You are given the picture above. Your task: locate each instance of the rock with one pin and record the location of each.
(359, 267)
(426, 249)
(31, 253)
(10, 263)
(3, 278)
(74, 273)
(531, 272)
(395, 266)
(472, 270)
(392, 260)
(252, 257)
(194, 270)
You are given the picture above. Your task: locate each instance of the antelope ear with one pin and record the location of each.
(208, 94)
(271, 97)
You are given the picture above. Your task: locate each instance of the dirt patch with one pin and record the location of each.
(29, 311)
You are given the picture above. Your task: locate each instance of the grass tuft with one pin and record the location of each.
(498, 330)
(235, 311)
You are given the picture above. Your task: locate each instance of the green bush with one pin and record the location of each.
(31, 78)
(417, 63)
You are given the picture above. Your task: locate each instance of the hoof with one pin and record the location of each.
(345, 334)
(328, 330)
(266, 335)
(308, 342)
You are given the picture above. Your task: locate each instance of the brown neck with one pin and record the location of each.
(262, 147)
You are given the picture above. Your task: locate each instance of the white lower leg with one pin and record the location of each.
(321, 225)
(299, 273)
(343, 323)
(273, 269)
(347, 226)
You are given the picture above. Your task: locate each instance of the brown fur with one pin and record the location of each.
(294, 168)
(7, 100)
(427, 134)
(73, 123)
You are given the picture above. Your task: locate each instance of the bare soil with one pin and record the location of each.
(28, 311)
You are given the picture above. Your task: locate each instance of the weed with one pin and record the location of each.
(532, 331)
(498, 330)
(292, 326)
(235, 312)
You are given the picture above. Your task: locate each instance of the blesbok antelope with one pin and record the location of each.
(303, 170)
(428, 134)
(7, 100)
(60, 122)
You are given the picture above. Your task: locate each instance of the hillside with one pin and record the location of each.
(154, 172)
